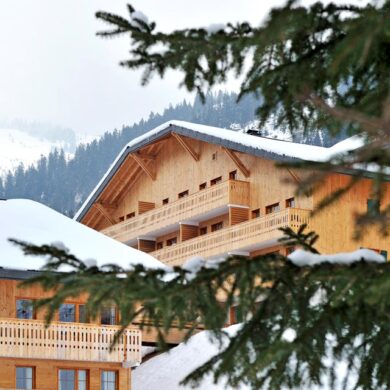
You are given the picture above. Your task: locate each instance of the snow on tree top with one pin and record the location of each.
(252, 144)
(33, 222)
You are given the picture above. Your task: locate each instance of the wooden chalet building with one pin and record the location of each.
(73, 353)
(184, 189)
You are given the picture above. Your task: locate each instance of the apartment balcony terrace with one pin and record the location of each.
(247, 236)
(30, 339)
(203, 204)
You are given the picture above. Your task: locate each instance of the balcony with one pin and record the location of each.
(246, 236)
(200, 203)
(68, 341)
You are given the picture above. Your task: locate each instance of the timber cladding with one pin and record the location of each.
(46, 373)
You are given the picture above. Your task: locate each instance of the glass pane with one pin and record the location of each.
(67, 312)
(66, 379)
(108, 316)
(24, 377)
(24, 309)
(108, 380)
(82, 314)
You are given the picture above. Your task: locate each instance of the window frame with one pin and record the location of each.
(77, 312)
(130, 215)
(270, 209)
(116, 316)
(116, 377)
(215, 181)
(256, 213)
(169, 241)
(183, 194)
(203, 230)
(76, 376)
(165, 201)
(289, 201)
(233, 175)
(202, 186)
(213, 227)
(373, 207)
(33, 375)
(34, 313)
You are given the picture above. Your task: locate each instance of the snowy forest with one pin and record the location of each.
(63, 184)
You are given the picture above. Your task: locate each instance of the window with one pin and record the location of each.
(273, 208)
(67, 312)
(25, 309)
(121, 219)
(72, 379)
(384, 254)
(256, 213)
(202, 186)
(108, 315)
(203, 231)
(183, 194)
(159, 245)
(290, 202)
(214, 156)
(130, 215)
(165, 201)
(233, 175)
(216, 226)
(215, 181)
(172, 241)
(373, 207)
(24, 377)
(108, 380)
(82, 314)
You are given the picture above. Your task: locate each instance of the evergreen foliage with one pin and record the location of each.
(333, 313)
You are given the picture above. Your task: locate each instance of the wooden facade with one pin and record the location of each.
(210, 200)
(66, 346)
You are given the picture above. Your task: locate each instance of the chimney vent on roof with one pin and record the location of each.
(255, 132)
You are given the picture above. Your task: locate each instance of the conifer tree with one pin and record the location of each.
(323, 66)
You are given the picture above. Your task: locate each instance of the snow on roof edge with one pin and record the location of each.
(272, 146)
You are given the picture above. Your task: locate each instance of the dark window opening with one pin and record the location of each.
(290, 202)
(202, 186)
(69, 379)
(214, 156)
(289, 250)
(121, 219)
(273, 208)
(159, 245)
(130, 215)
(165, 201)
(233, 175)
(25, 309)
(203, 231)
(183, 194)
(108, 315)
(67, 312)
(215, 181)
(172, 241)
(256, 213)
(216, 226)
(83, 317)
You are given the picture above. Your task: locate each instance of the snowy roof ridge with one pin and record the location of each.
(269, 148)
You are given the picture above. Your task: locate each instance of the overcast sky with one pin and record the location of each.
(54, 69)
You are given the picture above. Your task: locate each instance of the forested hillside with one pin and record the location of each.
(63, 185)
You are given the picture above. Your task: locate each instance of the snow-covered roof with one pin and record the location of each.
(167, 370)
(273, 149)
(33, 222)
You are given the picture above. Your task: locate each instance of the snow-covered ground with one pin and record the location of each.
(17, 147)
(166, 371)
(33, 222)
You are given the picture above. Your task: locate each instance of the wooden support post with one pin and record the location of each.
(186, 146)
(144, 167)
(104, 213)
(240, 165)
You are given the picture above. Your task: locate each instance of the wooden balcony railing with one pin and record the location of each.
(67, 341)
(245, 234)
(228, 192)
